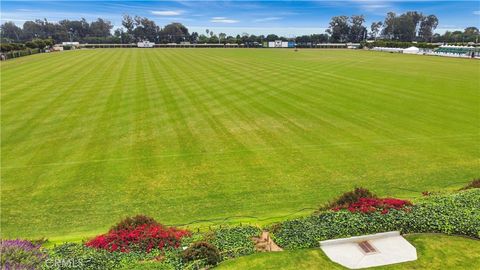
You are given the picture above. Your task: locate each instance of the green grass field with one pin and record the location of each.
(434, 251)
(90, 136)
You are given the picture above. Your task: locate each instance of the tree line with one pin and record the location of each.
(406, 27)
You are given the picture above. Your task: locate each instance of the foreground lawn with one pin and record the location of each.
(91, 136)
(434, 251)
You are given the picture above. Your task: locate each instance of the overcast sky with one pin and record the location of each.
(288, 18)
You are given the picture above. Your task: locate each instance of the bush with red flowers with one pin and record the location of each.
(348, 198)
(144, 238)
(370, 205)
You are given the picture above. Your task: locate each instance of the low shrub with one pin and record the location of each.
(130, 223)
(21, 254)
(457, 213)
(142, 238)
(204, 252)
(348, 198)
(474, 184)
(235, 241)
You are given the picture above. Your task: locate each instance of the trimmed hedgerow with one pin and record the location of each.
(70, 256)
(451, 214)
(235, 241)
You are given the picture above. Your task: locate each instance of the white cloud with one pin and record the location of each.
(166, 12)
(476, 12)
(223, 20)
(268, 19)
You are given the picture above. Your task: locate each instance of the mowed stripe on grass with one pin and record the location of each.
(90, 136)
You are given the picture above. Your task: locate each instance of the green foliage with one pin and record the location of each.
(7, 47)
(130, 223)
(204, 252)
(235, 241)
(450, 214)
(77, 256)
(349, 197)
(70, 256)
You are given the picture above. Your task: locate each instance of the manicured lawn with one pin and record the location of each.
(91, 136)
(434, 251)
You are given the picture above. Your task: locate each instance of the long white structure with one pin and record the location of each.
(145, 44)
(369, 250)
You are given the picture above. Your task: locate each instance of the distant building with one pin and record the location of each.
(280, 44)
(145, 44)
(68, 43)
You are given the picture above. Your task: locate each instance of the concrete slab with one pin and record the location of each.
(369, 250)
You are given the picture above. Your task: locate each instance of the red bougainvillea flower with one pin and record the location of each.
(370, 205)
(144, 238)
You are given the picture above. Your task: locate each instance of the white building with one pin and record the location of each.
(281, 44)
(145, 44)
(76, 44)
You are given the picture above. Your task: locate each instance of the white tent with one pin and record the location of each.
(411, 50)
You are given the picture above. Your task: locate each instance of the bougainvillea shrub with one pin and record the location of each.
(348, 198)
(141, 238)
(21, 254)
(370, 205)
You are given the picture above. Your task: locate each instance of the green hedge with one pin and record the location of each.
(235, 241)
(15, 54)
(451, 214)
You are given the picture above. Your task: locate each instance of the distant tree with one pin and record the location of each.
(202, 39)
(319, 38)
(389, 25)
(357, 32)
(10, 31)
(174, 32)
(375, 29)
(221, 37)
(194, 37)
(427, 26)
(129, 24)
(100, 28)
(145, 29)
(339, 28)
(471, 34)
(272, 37)
(404, 27)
